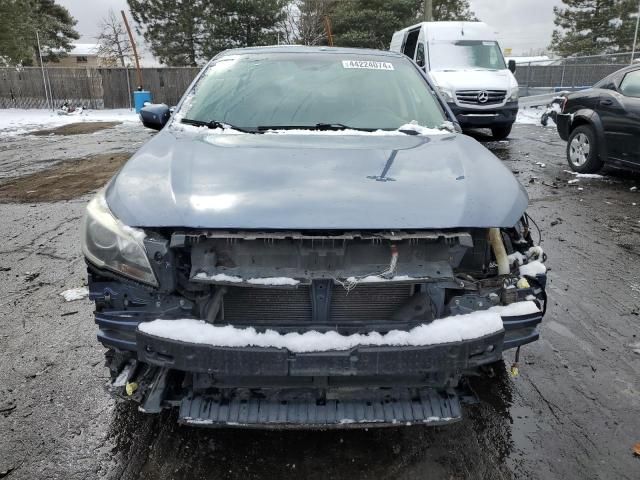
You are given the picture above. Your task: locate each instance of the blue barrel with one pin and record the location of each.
(139, 99)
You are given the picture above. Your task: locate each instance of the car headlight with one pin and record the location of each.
(108, 243)
(514, 95)
(446, 93)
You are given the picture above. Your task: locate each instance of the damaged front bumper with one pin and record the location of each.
(361, 384)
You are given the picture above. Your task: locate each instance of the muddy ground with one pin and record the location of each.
(573, 412)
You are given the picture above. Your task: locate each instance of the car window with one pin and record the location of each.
(420, 55)
(300, 89)
(630, 85)
(471, 54)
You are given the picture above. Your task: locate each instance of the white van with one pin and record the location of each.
(465, 62)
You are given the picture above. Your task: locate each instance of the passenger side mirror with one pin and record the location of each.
(512, 66)
(155, 116)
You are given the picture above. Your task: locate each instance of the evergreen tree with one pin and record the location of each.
(244, 23)
(371, 23)
(449, 10)
(19, 21)
(176, 30)
(55, 28)
(15, 28)
(594, 27)
(188, 32)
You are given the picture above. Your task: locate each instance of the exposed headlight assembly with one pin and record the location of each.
(108, 243)
(514, 95)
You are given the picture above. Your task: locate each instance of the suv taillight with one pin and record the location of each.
(564, 104)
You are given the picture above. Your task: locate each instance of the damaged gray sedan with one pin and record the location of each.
(310, 242)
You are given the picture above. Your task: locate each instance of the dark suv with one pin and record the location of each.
(308, 241)
(602, 124)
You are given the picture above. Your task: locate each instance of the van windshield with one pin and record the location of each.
(256, 91)
(466, 54)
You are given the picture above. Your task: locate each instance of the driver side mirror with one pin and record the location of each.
(155, 116)
(512, 66)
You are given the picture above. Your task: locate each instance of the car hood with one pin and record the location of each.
(319, 182)
(473, 79)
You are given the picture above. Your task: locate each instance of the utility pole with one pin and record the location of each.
(44, 80)
(428, 10)
(133, 46)
(635, 36)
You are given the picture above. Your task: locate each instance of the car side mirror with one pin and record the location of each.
(155, 115)
(512, 66)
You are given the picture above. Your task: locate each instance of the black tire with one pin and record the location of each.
(582, 150)
(500, 133)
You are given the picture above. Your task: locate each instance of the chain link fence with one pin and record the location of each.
(572, 73)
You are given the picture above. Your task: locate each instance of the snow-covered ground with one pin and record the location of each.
(531, 116)
(16, 121)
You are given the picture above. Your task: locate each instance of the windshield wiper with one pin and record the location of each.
(317, 126)
(213, 124)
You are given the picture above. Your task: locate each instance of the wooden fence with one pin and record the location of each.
(98, 88)
(94, 88)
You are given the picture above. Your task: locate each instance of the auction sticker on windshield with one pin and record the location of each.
(367, 64)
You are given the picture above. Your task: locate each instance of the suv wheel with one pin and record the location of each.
(582, 152)
(500, 133)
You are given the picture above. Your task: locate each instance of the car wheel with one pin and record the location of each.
(582, 152)
(500, 133)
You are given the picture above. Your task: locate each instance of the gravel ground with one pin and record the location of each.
(572, 413)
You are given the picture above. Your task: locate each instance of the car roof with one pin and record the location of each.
(310, 50)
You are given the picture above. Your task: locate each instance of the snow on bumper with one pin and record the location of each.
(444, 330)
(458, 342)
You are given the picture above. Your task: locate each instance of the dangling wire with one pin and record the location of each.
(352, 282)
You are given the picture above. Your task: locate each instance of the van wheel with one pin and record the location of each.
(500, 133)
(582, 152)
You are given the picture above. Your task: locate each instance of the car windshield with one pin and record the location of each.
(271, 90)
(466, 54)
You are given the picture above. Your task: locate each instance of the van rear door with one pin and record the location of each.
(414, 46)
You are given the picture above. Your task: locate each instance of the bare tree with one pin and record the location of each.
(114, 44)
(303, 22)
(311, 30)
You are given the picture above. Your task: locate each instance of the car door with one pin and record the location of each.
(630, 90)
(619, 110)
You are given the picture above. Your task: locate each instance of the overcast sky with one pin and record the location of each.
(522, 25)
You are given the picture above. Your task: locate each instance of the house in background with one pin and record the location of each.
(81, 55)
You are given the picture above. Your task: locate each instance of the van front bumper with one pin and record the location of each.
(469, 117)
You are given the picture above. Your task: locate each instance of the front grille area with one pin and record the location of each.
(268, 305)
(470, 97)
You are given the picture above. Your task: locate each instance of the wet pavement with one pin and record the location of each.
(573, 413)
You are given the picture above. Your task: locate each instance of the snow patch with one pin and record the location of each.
(273, 281)
(532, 115)
(583, 175)
(378, 278)
(532, 269)
(17, 121)
(419, 129)
(75, 294)
(450, 329)
(219, 277)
